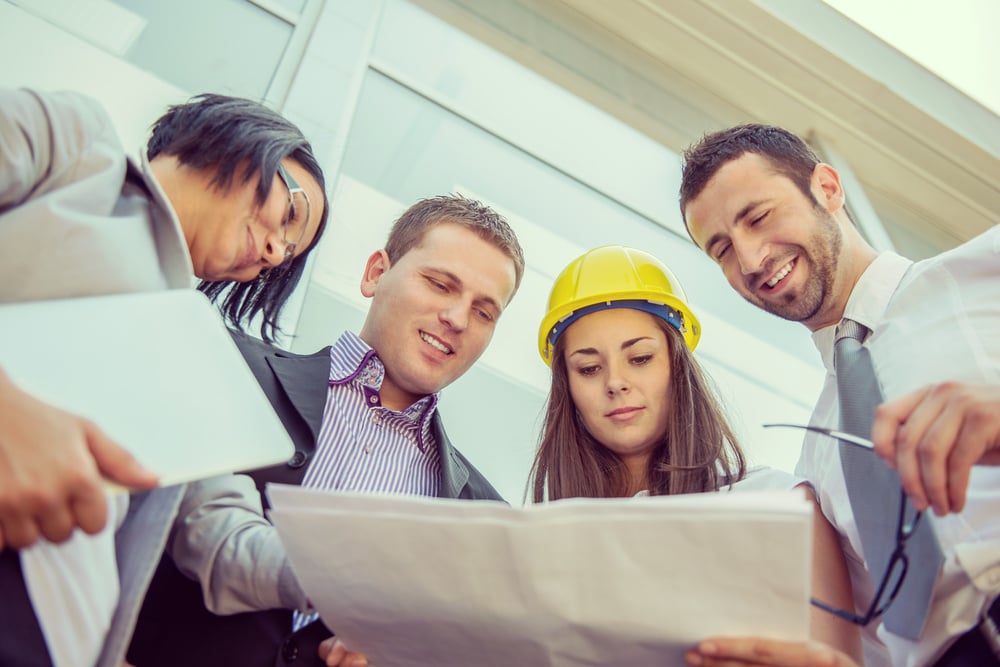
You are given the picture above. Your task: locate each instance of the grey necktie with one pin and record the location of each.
(874, 489)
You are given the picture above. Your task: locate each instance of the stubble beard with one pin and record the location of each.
(819, 255)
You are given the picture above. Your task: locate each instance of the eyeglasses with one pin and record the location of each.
(293, 229)
(899, 563)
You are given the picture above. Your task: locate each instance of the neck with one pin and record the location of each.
(395, 397)
(856, 255)
(635, 475)
(173, 178)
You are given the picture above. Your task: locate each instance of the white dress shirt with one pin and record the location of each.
(932, 321)
(757, 478)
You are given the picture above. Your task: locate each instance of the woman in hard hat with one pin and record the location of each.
(630, 413)
(633, 414)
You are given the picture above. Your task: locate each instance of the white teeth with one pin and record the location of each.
(435, 343)
(779, 275)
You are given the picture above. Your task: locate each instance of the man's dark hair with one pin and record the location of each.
(787, 153)
(240, 138)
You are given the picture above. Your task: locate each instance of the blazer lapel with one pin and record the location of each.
(304, 380)
(454, 474)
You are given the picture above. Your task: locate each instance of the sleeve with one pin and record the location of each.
(47, 138)
(222, 540)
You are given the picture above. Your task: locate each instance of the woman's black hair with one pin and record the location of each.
(240, 138)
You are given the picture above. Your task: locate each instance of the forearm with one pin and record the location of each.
(222, 540)
(831, 583)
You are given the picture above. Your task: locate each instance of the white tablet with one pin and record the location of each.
(157, 371)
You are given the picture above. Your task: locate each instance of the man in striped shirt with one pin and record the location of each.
(363, 415)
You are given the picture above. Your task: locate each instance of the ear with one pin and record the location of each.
(375, 268)
(826, 187)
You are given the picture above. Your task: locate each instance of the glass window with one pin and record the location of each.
(295, 6)
(223, 46)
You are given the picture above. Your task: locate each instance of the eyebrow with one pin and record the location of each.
(742, 213)
(626, 345)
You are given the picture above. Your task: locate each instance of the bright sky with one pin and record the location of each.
(955, 39)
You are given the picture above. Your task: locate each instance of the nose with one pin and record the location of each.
(750, 255)
(617, 383)
(455, 315)
(274, 249)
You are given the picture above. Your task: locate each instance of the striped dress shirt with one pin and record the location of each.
(365, 447)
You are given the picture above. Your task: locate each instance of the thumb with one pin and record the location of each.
(117, 464)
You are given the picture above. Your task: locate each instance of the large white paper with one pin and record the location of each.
(628, 582)
(157, 371)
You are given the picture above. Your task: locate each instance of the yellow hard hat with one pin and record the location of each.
(614, 276)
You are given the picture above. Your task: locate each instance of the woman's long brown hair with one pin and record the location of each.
(699, 452)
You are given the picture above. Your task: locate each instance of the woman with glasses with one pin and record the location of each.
(630, 413)
(230, 193)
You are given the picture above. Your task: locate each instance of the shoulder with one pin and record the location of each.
(67, 103)
(973, 260)
(250, 344)
(71, 118)
(763, 478)
(49, 140)
(255, 349)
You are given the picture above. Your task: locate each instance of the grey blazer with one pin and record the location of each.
(175, 627)
(77, 218)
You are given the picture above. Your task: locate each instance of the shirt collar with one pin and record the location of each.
(351, 359)
(868, 301)
(170, 242)
(354, 360)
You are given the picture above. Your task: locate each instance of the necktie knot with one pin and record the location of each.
(851, 329)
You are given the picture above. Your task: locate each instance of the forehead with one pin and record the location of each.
(748, 178)
(456, 249)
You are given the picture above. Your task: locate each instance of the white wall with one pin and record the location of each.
(39, 55)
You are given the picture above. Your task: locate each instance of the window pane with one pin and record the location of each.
(223, 46)
(293, 5)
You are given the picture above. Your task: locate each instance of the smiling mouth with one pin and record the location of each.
(780, 275)
(435, 343)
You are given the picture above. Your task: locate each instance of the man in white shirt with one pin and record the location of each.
(759, 202)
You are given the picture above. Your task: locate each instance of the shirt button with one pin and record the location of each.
(297, 461)
(373, 399)
(290, 650)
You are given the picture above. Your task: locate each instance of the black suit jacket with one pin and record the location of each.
(174, 628)
(21, 641)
